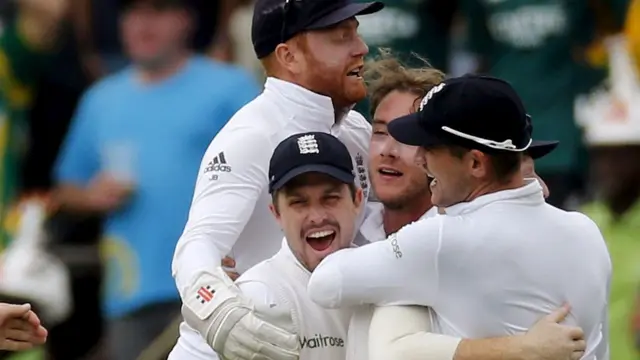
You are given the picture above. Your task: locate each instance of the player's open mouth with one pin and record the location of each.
(357, 72)
(321, 240)
(388, 172)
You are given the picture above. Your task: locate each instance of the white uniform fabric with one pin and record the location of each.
(490, 267)
(372, 230)
(229, 213)
(281, 282)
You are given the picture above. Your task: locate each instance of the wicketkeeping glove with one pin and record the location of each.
(232, 326)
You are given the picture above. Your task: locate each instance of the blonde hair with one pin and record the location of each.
(386, 73)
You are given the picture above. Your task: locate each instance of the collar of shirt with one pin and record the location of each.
(315, 107)
(372, 228)
(288, 253)
(531, 193)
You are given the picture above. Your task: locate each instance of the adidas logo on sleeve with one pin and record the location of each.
(217, 165)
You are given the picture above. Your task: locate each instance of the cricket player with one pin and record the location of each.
(316, 202)
(314, 57)
(402, 190)
(499, 259)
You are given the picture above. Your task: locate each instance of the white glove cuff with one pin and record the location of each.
(213, 306)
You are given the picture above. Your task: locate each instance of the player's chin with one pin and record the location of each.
(388, 194)
(355, 91)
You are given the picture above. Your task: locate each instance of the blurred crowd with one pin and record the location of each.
(107, 106)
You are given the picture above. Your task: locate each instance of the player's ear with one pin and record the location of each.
(290, 55)
(274, 210)
(478, 163)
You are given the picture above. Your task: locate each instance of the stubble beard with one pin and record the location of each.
(407, 198)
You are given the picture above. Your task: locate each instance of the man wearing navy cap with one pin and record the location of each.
(313, 56)
(499, 259)
(316, 202)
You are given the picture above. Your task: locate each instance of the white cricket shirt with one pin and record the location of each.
(490, 267)
(372, 230)
(229, 213)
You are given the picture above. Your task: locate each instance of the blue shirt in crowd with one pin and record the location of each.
(157, 134)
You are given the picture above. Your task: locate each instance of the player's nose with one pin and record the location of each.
(389, 148)
(317, 215)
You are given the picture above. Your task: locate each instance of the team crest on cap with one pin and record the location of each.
(308, 144)
(434, 90)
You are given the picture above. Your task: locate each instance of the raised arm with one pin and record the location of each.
(225, 195)
(224, 199)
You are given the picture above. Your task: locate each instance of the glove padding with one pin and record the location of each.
(230, 323)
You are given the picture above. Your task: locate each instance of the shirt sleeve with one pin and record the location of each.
(223, 201)
(78, 160)
(402, 332)
(401, 270)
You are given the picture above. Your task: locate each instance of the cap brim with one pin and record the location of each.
(541, 148)
(336, 173)
(407, 130)
(346, 12)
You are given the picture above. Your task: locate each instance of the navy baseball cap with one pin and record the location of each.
(540, 148)
(309, 152)
(471, 111)
(276, 21)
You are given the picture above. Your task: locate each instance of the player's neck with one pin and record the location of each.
(340, 113)
(516, 181)
(394, 219)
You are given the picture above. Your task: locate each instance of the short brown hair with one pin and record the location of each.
(386, 73)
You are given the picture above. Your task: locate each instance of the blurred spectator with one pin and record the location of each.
(533, 45)
(133, 153)
(102, 53)
(24, 43)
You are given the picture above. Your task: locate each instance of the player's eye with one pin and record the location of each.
(295, 202)
(380, 130)
(333, 198)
